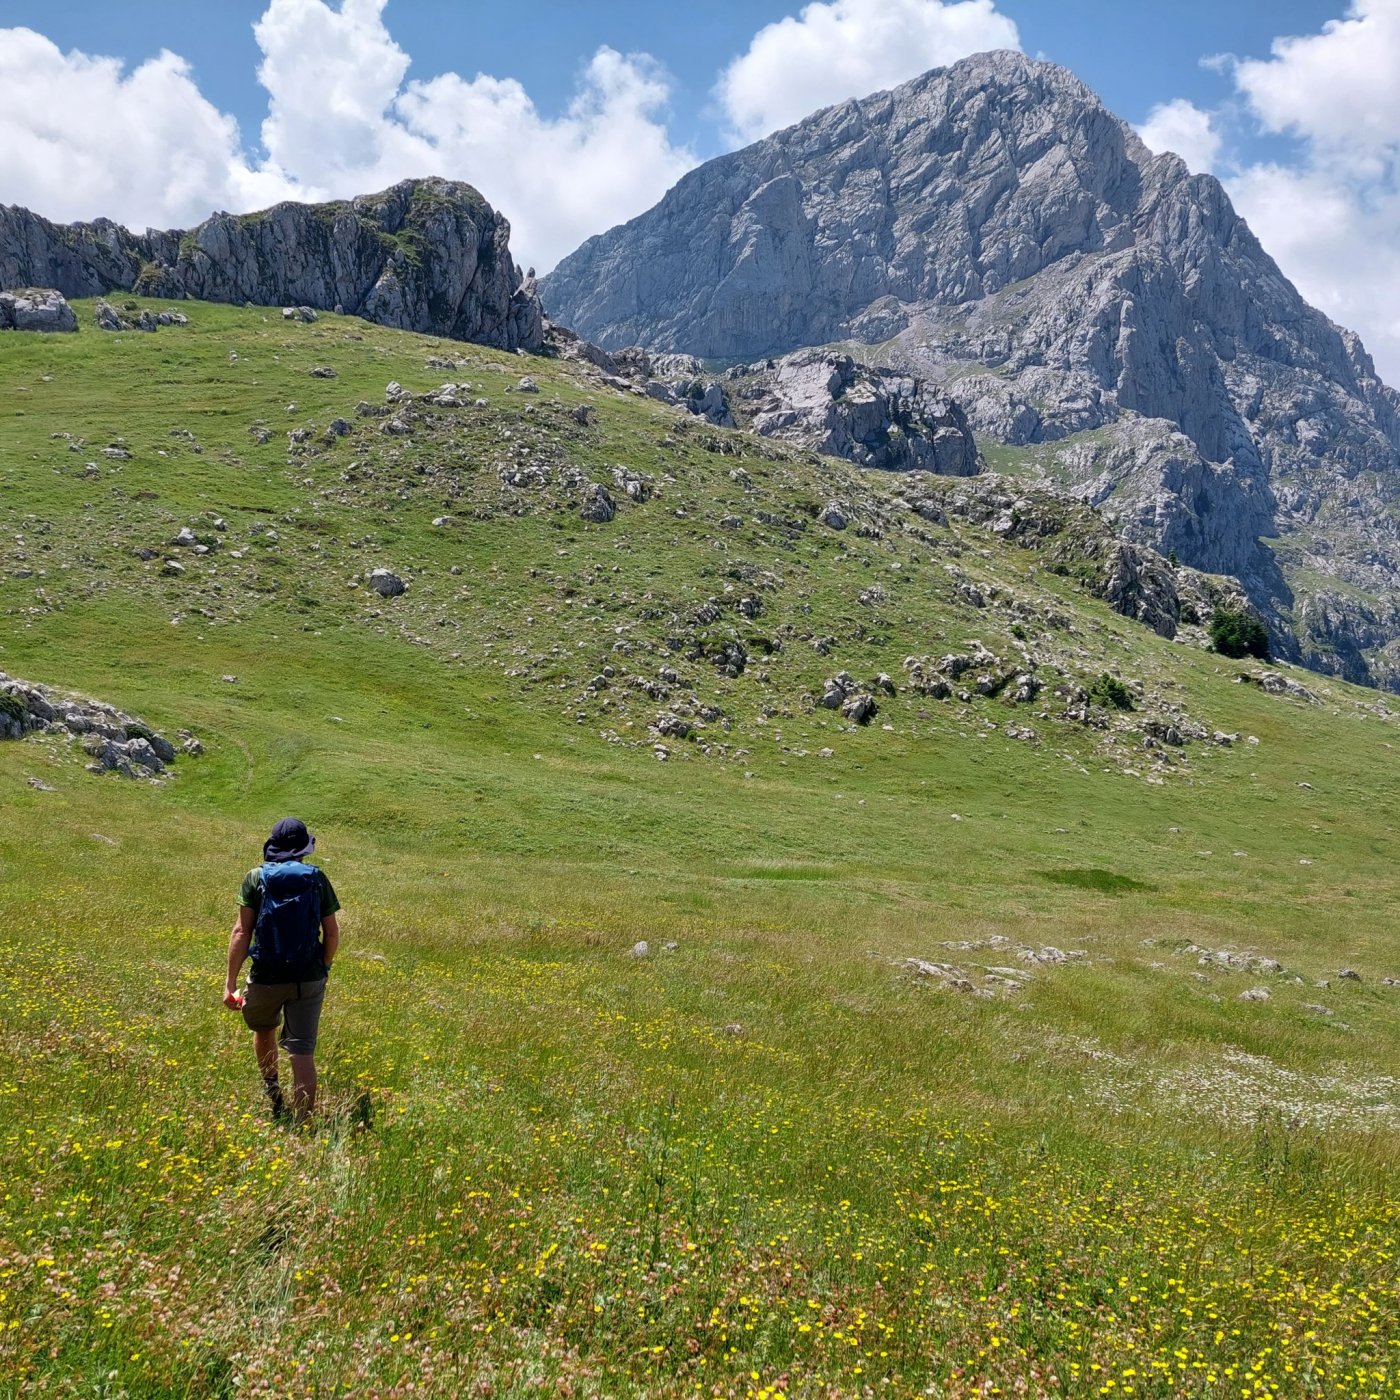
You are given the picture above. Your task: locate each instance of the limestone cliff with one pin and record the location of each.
(426, 255)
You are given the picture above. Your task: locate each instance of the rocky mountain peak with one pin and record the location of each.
(1107, 319)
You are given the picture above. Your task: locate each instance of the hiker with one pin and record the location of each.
(286, 922)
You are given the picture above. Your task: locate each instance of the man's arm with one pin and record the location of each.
(239, 939)
(330, 939)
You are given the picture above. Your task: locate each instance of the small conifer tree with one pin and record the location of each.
(1236, 633)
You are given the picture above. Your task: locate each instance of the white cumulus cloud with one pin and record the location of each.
(1339, 88)
(342, 121)
(332, 77)
(1186, 130)
(81, 137)
(1331, 218)
(838, 49)
(608, 158)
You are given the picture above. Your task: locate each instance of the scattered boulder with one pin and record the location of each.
(598, 505)
(672, 726)
(861, 708)
(108, 318)
(943, 975)
(1276, 683)
(925, 678)
(386, 583)
(306, 314)
(36, 309)
(635, 485)
(843, 692)
(1022, 689)
(835, 691)
(1235, 962)
(1050, 956)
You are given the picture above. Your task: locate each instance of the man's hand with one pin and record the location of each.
(239, 938)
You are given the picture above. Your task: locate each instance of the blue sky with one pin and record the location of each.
(574, 115)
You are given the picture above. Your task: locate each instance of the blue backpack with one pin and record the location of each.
(287, 933)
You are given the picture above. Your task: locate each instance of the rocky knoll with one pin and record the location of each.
(871, 416)
(825, 401)
(427, 255)
(112, 740)
(992, 225)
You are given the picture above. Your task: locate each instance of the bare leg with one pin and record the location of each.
(303, 1086)
(265, 1047)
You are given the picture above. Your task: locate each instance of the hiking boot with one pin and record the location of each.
(280, 1112)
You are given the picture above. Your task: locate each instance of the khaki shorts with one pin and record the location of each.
(297, 1005)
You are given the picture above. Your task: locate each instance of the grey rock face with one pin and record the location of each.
(995, 228)
(874, 417)
(1139, 584)
(36, 309)
(427, 255)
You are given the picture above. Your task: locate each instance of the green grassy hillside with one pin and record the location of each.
(928, 1083)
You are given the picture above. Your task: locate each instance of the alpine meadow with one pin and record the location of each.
(823, 914)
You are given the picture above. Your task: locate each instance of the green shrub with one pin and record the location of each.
(1237, 633)
(12, 707)
(1111, 693)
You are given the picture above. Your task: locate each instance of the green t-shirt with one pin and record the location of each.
(250, 894)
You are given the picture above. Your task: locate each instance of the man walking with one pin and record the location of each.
(287, 924)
